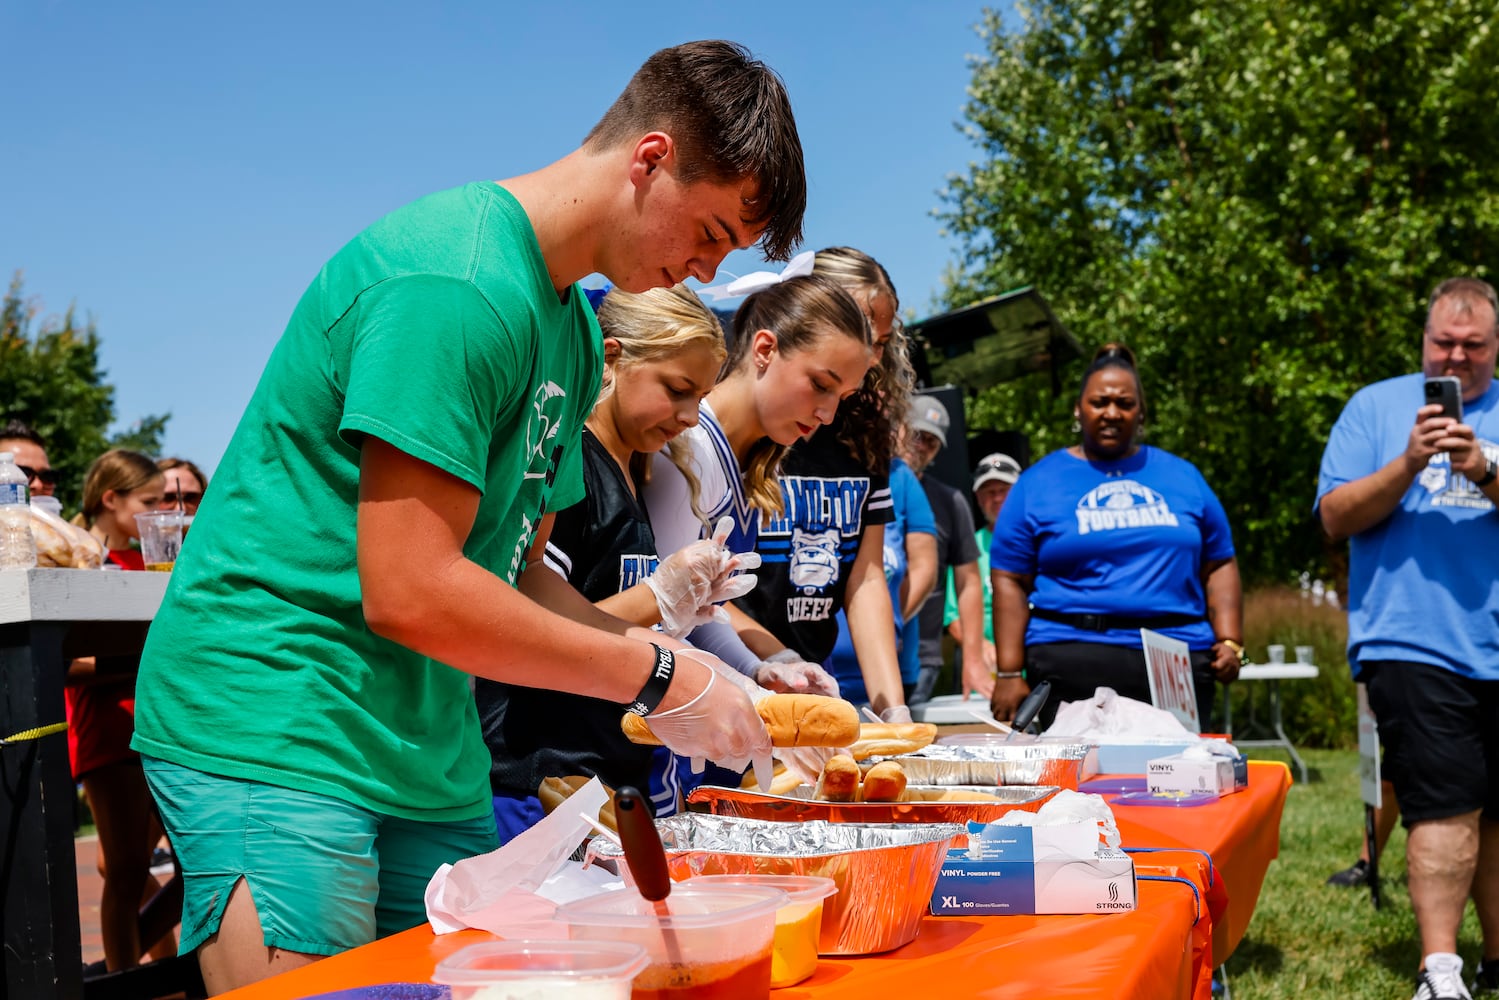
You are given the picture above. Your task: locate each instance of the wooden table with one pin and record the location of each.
(48, 617)
(1165, 949)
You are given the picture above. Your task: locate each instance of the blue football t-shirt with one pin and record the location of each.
(1126, 538)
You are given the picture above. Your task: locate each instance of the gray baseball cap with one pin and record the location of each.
(928, 414)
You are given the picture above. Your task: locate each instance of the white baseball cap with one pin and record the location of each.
(995, 468)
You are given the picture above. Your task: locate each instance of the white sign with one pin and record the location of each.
(1370, 787)
(1168, 663)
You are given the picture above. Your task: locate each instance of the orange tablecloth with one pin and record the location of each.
(1165, 949)
(1241, 849)
(1144, 953)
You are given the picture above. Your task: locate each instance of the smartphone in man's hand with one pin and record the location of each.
(1446, 391)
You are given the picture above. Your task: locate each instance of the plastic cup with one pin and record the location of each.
(161, 537)
(710, 942)
(1304, 654)
(535, 970)
(793, 956)
(1276, 653)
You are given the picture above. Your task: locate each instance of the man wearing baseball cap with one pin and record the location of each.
(925, 435)
(992, 479)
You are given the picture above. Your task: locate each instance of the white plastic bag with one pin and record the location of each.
(514, 890)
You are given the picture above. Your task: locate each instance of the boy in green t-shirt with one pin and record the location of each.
(375, 531)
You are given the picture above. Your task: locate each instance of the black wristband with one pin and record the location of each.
(656, 684)
(1490, 473)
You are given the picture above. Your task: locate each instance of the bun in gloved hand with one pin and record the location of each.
(794, 720)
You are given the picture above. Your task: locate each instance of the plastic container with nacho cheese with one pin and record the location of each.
(793, 955)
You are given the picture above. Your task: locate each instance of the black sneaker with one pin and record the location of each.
(1486, 982)
(1351, 877)
(162, 862)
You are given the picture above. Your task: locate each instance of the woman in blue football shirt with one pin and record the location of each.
(1104, 538)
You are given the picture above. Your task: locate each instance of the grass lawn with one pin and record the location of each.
(1310, 940)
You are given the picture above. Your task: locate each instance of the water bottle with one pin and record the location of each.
(17, 547)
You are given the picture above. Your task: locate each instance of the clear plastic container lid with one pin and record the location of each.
(564, 961)
(798, 888)
(687, 907)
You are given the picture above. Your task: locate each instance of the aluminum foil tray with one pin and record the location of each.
(926, 804)
(885, 873)
(1090, 765)
(1058, 764)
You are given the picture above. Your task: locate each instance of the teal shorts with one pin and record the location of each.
(326, 876)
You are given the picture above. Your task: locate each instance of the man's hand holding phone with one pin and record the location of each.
(1440, 428)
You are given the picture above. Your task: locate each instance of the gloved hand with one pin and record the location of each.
(716, 729)
(690, 583)
(788, 673)
(896, 714)
(805, 762)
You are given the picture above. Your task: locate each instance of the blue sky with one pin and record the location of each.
(180, 171)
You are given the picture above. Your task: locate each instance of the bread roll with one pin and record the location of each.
(839, 781)
(794, 720)
(555, 791)
(885, 782)
(885, 739)
(783, 782)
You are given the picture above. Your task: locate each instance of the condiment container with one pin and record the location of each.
(884, 873)
(793, 957)
(541, 970)
(710, 943)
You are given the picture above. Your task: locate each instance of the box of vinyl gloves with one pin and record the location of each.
(1199, 769)
(1034, 869)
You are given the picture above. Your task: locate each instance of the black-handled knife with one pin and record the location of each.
(642, 844)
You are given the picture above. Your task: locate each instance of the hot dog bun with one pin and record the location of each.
(784, 780)
(555, 791)
(839, 781)
(891, 739)
(794, 720)
(885, 782)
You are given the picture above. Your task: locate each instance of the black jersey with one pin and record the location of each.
(807, 552)
(602, 546)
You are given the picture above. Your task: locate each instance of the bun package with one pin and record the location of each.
(61, 545)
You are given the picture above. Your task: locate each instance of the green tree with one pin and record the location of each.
(50, 378)
(1255, 195)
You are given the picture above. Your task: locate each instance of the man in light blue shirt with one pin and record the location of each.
(1414, 491)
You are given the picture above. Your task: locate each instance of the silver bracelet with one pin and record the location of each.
(1010, 673)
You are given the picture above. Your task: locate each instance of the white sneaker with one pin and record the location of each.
(1442, 979)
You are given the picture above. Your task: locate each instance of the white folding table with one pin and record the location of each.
(1273, 674)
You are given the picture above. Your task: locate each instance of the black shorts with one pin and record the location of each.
(1441, 738)
(1076, 669)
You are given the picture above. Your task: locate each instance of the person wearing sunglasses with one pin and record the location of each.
(31, 457)
(184, 487)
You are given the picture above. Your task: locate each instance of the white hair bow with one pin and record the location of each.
(798, 266)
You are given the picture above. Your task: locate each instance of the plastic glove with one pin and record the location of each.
(896, 714)
(806, 762)
(758, 750)
(690, 583)
(788, 673)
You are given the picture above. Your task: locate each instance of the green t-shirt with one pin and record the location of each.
(950, 609)
(438, 331)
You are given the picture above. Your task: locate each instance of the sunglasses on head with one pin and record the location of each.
(48, 477)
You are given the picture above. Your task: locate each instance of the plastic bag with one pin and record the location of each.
(63, 545)
(514, 890)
